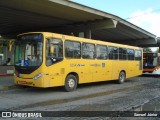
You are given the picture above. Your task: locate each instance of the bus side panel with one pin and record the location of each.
(108, 70)
(101, 70)
(138, 70)
(134, 68)
(115, 69)
(54, 74)
(130, 68)
(122, 66)
(81, 67)
(85, 71)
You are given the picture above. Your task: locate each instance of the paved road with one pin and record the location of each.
(136, 94)
(6, 81)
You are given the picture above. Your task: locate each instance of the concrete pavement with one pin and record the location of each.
(6, 82)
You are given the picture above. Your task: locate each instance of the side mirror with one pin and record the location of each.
(52, 49)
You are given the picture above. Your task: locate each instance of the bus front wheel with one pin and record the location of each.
(122, 77)
(70, 83)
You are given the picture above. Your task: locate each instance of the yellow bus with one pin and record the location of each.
(45, 59)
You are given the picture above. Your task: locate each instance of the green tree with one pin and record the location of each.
(147, 50)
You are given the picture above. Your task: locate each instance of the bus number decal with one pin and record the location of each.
(96, 65)
(77, 65)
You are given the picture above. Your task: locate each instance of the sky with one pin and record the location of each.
(142, 13)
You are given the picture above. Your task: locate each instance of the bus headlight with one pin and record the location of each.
(38, 76)
(156, 69)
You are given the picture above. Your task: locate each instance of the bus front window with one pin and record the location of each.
(28, 50)
(54, 51)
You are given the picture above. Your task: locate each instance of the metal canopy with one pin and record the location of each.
(63, 16)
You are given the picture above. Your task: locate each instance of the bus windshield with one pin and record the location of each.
(28, 50)
(150, 59)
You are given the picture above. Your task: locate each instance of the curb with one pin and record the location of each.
(5, 88)
(6, 75)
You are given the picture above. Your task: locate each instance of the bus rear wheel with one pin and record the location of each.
(122, 77)
(70, 83)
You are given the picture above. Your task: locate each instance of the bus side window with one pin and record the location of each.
(130, 54)
(88, 51)
(122, 54)
(138, 55)
(101, 52)
(72, 49)
(113, 53)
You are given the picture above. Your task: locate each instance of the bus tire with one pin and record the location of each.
(122, 77)
(70, 83)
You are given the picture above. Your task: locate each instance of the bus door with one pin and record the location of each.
(54, 56)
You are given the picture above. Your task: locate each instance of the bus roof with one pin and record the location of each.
(68, 37)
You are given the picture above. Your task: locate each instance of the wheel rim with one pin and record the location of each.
(71, 83)
(121, 77)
